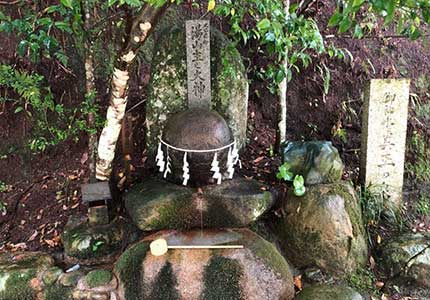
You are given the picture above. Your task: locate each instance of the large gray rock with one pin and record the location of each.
(408, 256)
(94, 244)
(328, 292)
(317, 161)
(257, 272)
(324, 228)
(156, 204)
(168, 85)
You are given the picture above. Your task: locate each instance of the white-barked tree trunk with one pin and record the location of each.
(142, 25)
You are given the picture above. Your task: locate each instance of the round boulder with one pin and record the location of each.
(257, 271)
(317, 161)
(157, 205)
(324, 228)
(196, 129)
(328, 292)
(408, 256)
(94, 244)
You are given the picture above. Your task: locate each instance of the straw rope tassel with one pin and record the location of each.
(215, 169)
(235, 154)
(186, 170)
(168, 165)
(230, 164)
(160, 158)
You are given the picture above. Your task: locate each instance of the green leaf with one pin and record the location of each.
(358, 32)
(63, 26)
(300, 191)
(345, 24)
(18, 109)
(111, 2)
(299, 182)
(335, 19)
(67, 3)
(390, 8)
(284, 172)
(263, 25)
(357, 3)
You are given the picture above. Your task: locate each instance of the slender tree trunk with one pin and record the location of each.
(282, 112)
(90, 92)
(141, 27)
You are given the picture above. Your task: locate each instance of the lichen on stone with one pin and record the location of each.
(97, 278)
(221, 279)
(57, 292)
(129, 271)
(165, 285)
(16, 286)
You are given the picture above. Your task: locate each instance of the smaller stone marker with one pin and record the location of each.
(96, 196)
(385, 118)
(198, 64)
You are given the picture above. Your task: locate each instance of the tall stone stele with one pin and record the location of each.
(214, 74)
(385, 117)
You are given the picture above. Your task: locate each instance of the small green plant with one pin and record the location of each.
(374, 205)
(97, 245)
(419, 168)
(342, 134)
(3, 208)
(364, 280)
(53, 123)
(3, 187)
(422, 205)
(298, 180)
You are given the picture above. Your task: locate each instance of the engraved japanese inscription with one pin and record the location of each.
(198, 63)
(385, 118)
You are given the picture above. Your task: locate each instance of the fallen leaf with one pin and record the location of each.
(72, 177)
(211, 5)
(258, 159)
(372, 262)
(33, 236)
(84, 158)
(298, 282)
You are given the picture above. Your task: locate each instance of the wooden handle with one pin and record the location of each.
(206, 247)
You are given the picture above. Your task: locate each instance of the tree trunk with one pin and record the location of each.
(141, 27)
(282, 111)
(90, 93)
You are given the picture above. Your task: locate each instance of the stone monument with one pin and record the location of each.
(198, 64)
(385, 117)
(197, 145)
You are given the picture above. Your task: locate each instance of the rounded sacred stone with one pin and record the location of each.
(196, 129)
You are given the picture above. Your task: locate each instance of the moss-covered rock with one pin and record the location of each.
(317, 161)
(408, 256)
(24, 274)
(57, 292)
(257, 271)
(328, 292)
(93, 244)
(324, 228)
(168, 85)
(97, 278)
(156, 204)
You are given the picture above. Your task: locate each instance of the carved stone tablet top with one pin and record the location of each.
(198, 64)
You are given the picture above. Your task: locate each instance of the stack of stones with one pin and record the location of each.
(210, 215)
